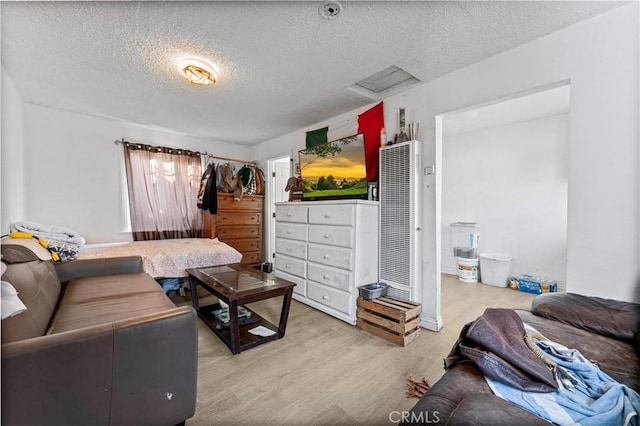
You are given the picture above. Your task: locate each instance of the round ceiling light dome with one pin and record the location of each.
(197, 71)
(330, 9)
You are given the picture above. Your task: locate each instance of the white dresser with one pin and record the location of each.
(328, 248)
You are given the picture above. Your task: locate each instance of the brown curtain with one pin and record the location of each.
(163, 188)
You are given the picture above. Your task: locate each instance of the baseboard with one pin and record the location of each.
(430, 323)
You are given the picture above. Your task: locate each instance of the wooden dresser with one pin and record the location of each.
(239, 224)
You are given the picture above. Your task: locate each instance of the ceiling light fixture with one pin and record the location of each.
(197, 71)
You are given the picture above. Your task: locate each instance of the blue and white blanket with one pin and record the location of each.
(593, 398)
(65, 242)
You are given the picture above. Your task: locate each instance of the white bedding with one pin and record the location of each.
(168, 258)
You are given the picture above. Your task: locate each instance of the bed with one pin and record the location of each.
(167, 260)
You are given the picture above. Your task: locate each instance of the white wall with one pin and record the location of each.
(12, 162)
(74, 172)
(600, 58)
(513, 181)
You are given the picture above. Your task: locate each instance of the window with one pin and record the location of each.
(163, 185)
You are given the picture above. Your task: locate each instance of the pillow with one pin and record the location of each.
(16, 250)
(11, 303)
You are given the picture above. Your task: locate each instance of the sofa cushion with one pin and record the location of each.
(103, 299)
(39, 289)
(612, 318)
(616, 358)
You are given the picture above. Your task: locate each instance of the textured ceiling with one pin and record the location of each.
(281, 66)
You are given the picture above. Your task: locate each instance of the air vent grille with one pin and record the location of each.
(395, 215)
(385, 83)
(399, 293)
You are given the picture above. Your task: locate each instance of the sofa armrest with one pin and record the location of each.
(81, 268)
(138, 371)
(611, 318)
(485, 409)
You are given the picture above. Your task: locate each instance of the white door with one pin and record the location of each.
(278, 174)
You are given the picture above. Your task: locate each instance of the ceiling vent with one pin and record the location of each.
(385, 83)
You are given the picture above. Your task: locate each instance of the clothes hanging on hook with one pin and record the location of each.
(208, 195)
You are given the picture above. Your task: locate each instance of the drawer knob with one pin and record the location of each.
(288, 249)
(327, 236)
(287, 266)
(327, 216)
(325, 277)
(288, 231)
(326, 256)
(325, 297)
(288, 214)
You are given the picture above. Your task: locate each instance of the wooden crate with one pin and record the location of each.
(388, 317)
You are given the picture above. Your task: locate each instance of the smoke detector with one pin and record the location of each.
(330, 9)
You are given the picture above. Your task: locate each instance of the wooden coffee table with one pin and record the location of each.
(237, 285)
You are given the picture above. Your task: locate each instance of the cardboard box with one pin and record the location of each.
(530, 284)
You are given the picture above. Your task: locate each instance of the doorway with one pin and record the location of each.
(279, 171)
(505, 166)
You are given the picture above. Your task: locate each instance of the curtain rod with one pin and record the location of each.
(235, 160)
(122, 142)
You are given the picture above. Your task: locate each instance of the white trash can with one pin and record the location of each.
(495, 269)
(467, 269)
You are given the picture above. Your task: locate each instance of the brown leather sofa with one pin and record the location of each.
(99, 344)
(603, 330)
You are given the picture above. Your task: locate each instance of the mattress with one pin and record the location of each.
(167, 258)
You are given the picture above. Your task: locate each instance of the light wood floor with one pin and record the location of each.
(325, 371)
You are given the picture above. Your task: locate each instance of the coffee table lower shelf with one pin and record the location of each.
(247, 340)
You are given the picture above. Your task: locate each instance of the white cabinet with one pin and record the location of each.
(328, 248)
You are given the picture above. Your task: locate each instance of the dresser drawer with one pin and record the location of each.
(251, 258)
(331, 256)
(248, 202)
(291, 231)
(328, 296)
(341, 236)
(331, 277)
(301, 284)
(291, 266)
(296, 214)
(332, 215)
(291, 248)
(244, 245)
(238, 218)
(231, 232)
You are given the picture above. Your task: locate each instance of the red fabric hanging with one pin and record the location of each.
(370, 123)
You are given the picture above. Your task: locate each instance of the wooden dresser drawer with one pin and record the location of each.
(333, 298)
(291, 248)
(291, 266)
(238, 218)
(328, 276)
(332, 215)
(248, 202)
(341, 236)
(244, 245)
(331, 256)
(296, 214)
(238, 231)
(291, 231)
(251, 258)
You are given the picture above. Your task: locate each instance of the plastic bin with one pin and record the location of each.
(467, 269)
(464, 239)
(495, 269)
